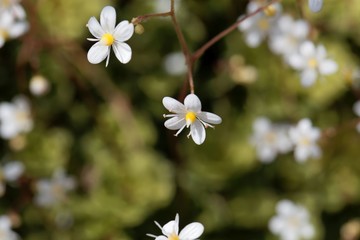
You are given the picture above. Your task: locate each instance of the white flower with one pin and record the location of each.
(15, 118)
(174, 63)
(170, 231)
(10, 28)
(5, 229)
(288, 35)
(14, 8)
(108, 36)
(10, 172)
(315, 5)
(190, 115)
(312, 61)
(164, 5)
(305, 138)
(257, 27)
(53, 191)
(291, 222)
(270, 139)
(356, 109)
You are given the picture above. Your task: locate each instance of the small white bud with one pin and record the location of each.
(39, 85)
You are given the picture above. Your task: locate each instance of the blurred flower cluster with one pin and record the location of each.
(85, 152)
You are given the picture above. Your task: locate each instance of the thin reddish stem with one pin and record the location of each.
(225, 32)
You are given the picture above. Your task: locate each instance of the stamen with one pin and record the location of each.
(108, 39)
(176, 134)
(270, 11)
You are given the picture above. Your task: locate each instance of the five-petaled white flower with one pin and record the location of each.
(260, 25)
(270, 139)
(190, 115)
(108, 36)
(305, 137)
(291, 222)
(170, 231)
(15, 118)
(312, 61)
(53, 191)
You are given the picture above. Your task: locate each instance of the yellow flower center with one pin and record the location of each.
(4, 34)
(173, 237)
(190, 118)
(107, 39)
(270, 11)
(263, 24)
(312, 63)
(305, 141)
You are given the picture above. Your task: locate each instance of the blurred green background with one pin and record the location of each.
(105, 125)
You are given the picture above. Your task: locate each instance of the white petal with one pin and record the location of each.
(108, 19)
(95, 28)
(321, 52)
(122, 52)
(175, 123)
(307, 49)
(253, 39)
(308, 77)
(192, 103)
(305, 124)
(276, 225)
(192, 231)
(296, 61)
(285, 207)
(308, 231)
(301, 153)
(123, 31)
(328, 67)
(301, 29)
(18, 29)
(315, 5)
(173, 105)
(5, 222)
(161, 238)
(198, 133)
(97, 53)
(356, 108)
(170, 228)
(245, 24)
(209, 117)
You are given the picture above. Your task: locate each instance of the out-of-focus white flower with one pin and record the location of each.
(164, 5)
(356, 109)
(15, 118)
(10, 28)
(269, 139)
(292, 222)
(257, 27)
(14, 8)
(175, 64)
(10, 172)
(190, 115)
(170, 231)
(288, 35)
(312, 61)
(39, 85)
(315, 5)
(53, 191)
(305, 137)
(108, 36)
(5, 229)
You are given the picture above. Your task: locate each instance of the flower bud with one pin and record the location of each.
(39, 85)
(139, 29)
